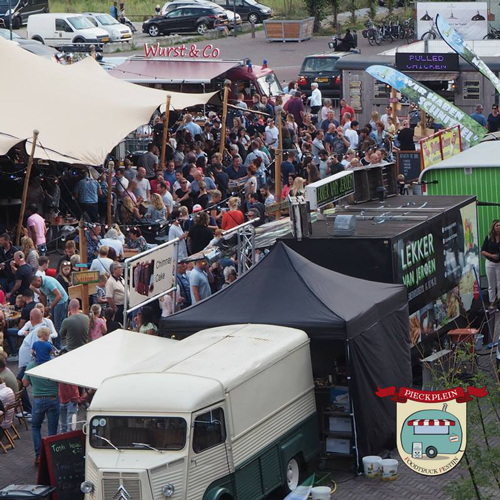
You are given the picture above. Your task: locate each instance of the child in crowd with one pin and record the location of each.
(216, 238)
(100, 296)
(42, 349)
(69, 398)
(97, 327)
(111, 324)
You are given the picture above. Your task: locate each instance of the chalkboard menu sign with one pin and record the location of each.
(62, 464)
(409, 164)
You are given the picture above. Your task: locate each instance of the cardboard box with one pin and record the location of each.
(336, 445)
(340, 424)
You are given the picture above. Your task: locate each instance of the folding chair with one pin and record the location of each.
(11, 407)
(9, 445)
(19, 410)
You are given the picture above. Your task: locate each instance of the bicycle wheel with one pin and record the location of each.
(428, 35)
(371, 39)
(410, 36)
(378, 39)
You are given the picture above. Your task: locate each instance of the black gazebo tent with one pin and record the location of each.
(372, 318)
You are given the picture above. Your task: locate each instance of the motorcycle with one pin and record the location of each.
(336, 41)
(127, 22)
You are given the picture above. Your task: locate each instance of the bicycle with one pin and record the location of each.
(372, 34)
(432, 34)
(386, 34)
(493, 34)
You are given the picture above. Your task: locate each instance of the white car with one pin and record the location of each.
(118, 32)
(56, 30)
(177, 3)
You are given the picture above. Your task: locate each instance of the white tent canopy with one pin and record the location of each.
(80, 111)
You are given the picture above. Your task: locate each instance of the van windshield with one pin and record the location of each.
(107, 20)
(80, 23)
(269, 85)
(161, 433)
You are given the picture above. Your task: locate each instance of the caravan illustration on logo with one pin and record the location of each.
(431, 426)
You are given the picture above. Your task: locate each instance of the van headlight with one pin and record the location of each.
(86, 487)
(168, 490)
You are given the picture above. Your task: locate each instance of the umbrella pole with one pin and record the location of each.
(277, 165)
(165, 133)
(25, 188)
(227, 83)
(109, 219)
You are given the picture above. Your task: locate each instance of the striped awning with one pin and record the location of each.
(431, 422)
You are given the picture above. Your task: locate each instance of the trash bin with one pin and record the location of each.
(26, 491)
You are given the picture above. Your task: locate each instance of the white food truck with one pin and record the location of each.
(228, 413)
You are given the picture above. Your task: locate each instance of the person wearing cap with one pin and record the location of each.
(315, 99)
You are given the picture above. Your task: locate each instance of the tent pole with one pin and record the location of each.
(227, 83)
(83, 260)
(277, 165)
(109, 220)
(25, 188)
(423, 123)
(165, 132)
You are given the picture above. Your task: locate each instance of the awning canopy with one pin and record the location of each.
(432, 76)
(170, 71)
(432, 423)
(80, 111)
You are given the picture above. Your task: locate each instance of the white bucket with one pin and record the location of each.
(389, 469)
(320, 493)
(371, 466)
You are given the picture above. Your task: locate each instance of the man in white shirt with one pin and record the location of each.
(352, 134)
(176, 231)
(166, 197)
(112, 241)
(143, 189)
(315, 99)
(383, 119)
(102, 263)
(272, 135)
(121, 182)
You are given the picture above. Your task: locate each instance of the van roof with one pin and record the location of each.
(204, 365)
(49, 15)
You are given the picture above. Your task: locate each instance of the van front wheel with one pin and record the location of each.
(431, 452)
(292, 475)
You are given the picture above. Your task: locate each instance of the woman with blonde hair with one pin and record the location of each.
(290, 123)
(30, 252)
(156, 209)
(121, 236)
(97, 326)
(130, 212)
(202, 196)
(375, 117)
(298, 187)
(232, 217)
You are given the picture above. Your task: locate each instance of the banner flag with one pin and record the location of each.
(457, 43)
(433, 104)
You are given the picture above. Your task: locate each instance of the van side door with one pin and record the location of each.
(63, 32)
(209, 455)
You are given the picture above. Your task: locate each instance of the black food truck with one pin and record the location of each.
(428, 243)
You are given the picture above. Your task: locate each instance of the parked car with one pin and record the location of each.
(321, 68)
(249, 10)
(21, 11)
(63, 29)
(181, 3)
(192, 18)
(31, 45)
(117, 31)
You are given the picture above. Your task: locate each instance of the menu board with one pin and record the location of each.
(62, 464)
(355, 95)
(409, 164)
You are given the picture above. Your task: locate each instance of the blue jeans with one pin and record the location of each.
(67, 410)
(60, 313)
(44, 406)
(12, 336)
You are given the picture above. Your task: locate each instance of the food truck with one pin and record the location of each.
(475, 171)
(199, 75)
(431, 432)
(228, 413)
(428, 243)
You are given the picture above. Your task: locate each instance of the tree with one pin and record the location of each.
(334, 5)
(316, 9)
(373, 9)
(352, 10)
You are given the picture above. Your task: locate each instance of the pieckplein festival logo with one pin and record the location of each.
(431, 426)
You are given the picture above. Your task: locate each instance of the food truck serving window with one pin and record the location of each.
(161, 433)
(438, 426)
(269, 85)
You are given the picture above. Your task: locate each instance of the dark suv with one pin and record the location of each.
(321, 68)
(191, 18)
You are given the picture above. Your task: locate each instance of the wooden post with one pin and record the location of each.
(83, 260)
(394, 106)
(423, 123)
(25, 188)
(277, 164)
(227, 84)
(109, 219)
(165, 132)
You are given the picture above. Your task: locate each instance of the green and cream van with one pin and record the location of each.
(228, 413)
